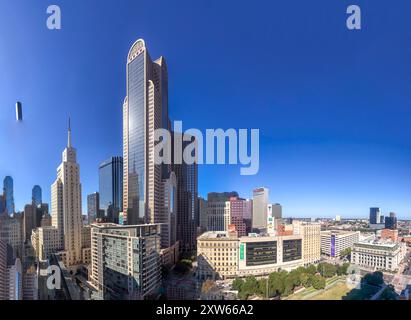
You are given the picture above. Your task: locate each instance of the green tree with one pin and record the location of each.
(294, 277)
(237, 284)
(249, 287)
(346, 252)
(311, 269)
(275, 284)
(318, 282)
(342, 269)
(305, 280)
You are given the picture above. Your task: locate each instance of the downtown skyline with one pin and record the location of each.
(311, 166)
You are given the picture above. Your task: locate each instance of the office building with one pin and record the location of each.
(391, 221)
(145, 109)
(335, 241)
(218, 211)
(375, 215)
(275, 210)
(2, 204)
(11, 232)
(378, 255)
(35, 216)
(222, 254)
(4, 284)
(125, 261)
(36, 196)
(187, 203)
(15, 280)
(274, 215)
(66, 205)
(93, 207)
(260, 206)
(111, 188)
(389, 234)
(30, 284)
(46, 241)
(145, 183)
(8, 193)
(202, 211)
(238, 210)
(311, 236)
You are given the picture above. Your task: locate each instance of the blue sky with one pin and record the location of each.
(333, 106)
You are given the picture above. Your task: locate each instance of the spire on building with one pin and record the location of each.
(69, 134)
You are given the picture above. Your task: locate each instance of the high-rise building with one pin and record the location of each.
(46, 241)
(3, 271)
(311, 235)
(2, 204)
(11, 233)
(125, 261)
(145, 109)
(218, 210)
(375, 216)
(334, 242)
(147, 185)
(37, 196)
(8, 194)
(33, 218)
(15, 283)
(187, 203)
(29, 220)
(260, 206)
(237, 208)
(111, 188)
(93, 207)
(66, 205)
(391, 221)
(202, 212)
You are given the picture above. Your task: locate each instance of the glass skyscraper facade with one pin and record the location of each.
(375, 215)
(111, 188)
(136, 134)
(8, 194)
(36, 197)
(187, 204)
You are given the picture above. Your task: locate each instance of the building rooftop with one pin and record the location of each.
(377, 245)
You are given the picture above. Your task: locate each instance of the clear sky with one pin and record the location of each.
(333, 106)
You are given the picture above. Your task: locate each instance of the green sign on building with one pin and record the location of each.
(242, 251)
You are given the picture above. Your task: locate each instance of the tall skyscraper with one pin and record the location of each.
(36, 196)
(187, 204)
(151, 191)
(93, 207)
(145, 109)
(260, 203)
(202, 211)
(238, 211)
(391, 221)
(218, 210)
(111, 188)
(66, 204)
(2, 204)
(3, 271)
(8, 194)
(375, 215)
